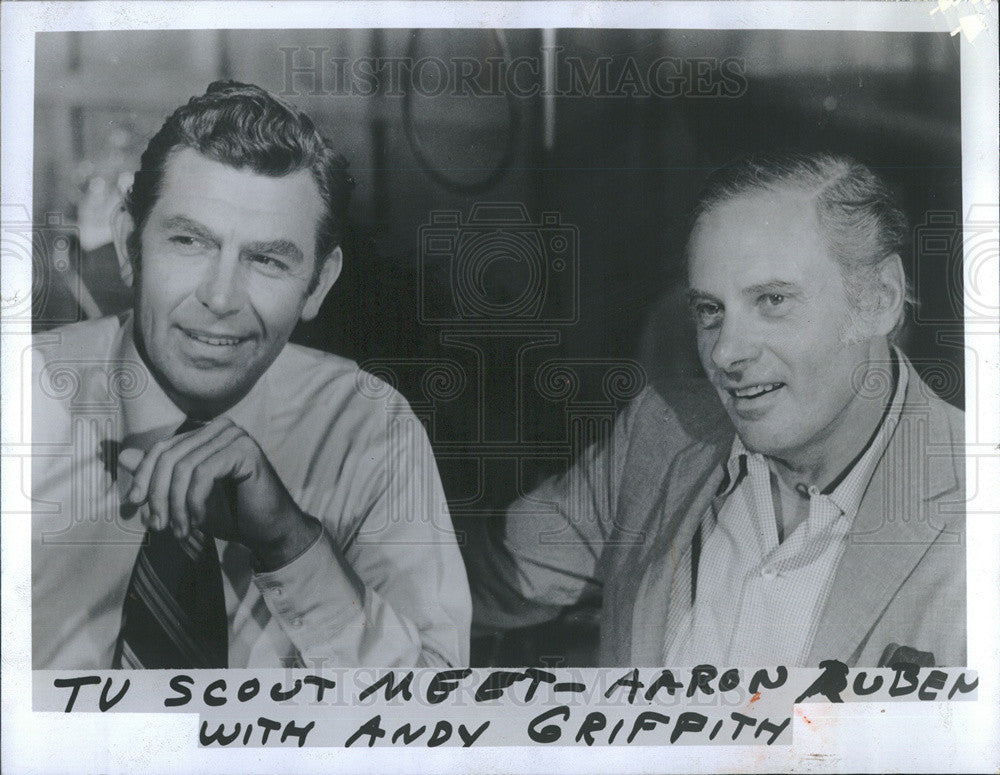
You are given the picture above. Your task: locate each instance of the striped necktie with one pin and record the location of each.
(174, 615)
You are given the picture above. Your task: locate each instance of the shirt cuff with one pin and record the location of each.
(312, 596)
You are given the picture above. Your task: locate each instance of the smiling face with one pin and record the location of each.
(771, 313)
(226, 259)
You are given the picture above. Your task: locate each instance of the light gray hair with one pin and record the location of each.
(861, 220)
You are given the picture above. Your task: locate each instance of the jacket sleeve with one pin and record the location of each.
(546, 555)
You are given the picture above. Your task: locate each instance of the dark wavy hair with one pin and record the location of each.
(246, 127)
(861, 220)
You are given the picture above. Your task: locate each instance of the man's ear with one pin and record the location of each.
(891, 295)
(122, 227)
(328, 274)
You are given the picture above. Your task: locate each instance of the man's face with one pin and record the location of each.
(771, 313)
(226, 261)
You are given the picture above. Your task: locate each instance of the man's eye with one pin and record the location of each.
(773, 303)
(707, 315)
(268, 264)
(187, 243)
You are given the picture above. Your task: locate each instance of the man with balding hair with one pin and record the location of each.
(806, 501)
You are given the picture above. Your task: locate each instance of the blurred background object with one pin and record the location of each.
(608, 134)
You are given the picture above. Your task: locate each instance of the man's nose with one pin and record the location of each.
(222, 288)
(736, 346)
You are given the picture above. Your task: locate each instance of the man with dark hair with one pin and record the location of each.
(807, 501)
(216, 496)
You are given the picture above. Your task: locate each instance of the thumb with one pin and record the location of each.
(130, 459)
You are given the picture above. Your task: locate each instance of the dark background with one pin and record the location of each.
(617, 171)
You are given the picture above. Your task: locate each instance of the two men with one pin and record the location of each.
(209, 495)
(807, 503)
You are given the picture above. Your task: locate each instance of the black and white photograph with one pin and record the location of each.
(573, 371)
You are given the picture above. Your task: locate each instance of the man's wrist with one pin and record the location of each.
(303, 531)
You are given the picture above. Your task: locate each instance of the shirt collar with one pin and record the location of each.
(149, 415)
(846, 495)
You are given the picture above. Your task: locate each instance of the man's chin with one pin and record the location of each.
(758, 437)
(209, 396)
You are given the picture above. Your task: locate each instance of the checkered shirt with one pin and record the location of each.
(757, 601)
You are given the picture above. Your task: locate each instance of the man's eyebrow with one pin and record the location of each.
(693, 295)
(182, 222)
(771, 286)
(277, 247)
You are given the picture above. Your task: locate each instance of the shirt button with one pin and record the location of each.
(768, 573)
(296, 623)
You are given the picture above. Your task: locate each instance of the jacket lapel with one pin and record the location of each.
(691, 484)
(895, 526)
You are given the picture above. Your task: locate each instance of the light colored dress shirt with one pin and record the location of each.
(348, 449)
(757, 599)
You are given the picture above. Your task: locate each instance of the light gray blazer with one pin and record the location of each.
(613, 529)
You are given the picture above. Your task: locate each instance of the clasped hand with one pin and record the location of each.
(218, 479)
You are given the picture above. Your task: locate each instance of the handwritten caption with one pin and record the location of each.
(478, 707)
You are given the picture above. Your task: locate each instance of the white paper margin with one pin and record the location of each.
(852, 737)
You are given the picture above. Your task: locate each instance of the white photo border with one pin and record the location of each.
(848, 737)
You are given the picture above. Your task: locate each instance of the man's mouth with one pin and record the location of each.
(215, 340)
(755, 391)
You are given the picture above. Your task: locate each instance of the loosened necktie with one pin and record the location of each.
(174, 615)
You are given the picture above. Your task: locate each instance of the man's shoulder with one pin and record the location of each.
(954, 419)
(79, 361)
(74, 366)
(313, 364)
(672, 422)
(687, 407)
(324, 382)
(322, 406)
(309, 366)
(945, 422)
(88, 338)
